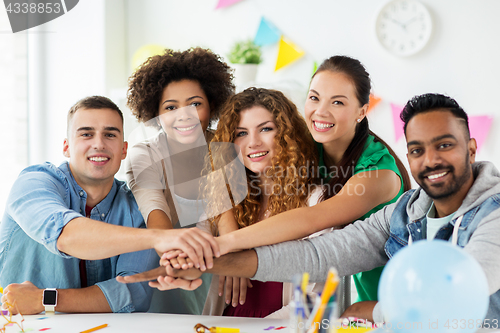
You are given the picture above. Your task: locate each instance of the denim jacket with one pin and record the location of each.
(367, 244)
(404, 231)
(42, 201)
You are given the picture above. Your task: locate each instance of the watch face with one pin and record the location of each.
(404, 27)
(49, 297)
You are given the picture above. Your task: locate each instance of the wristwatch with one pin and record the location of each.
(49, 300)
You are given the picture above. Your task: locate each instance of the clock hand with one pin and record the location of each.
(397, 22)
(408, 23)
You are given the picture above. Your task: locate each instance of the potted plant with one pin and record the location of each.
(245, 57)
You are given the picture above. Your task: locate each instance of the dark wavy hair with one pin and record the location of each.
(360, 78)
(432, 102)
(146, 85)
(292, 168)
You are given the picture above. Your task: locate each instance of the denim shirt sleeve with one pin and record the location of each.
(40, 203)
(134, 296)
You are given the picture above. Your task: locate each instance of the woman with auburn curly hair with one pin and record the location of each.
(278, 154)
(180, 94)
(362, 171)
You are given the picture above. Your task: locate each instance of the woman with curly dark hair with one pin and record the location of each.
(180, 94)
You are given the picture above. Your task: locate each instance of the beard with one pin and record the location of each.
(445, 190)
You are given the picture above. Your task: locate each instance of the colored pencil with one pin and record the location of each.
(95, 328)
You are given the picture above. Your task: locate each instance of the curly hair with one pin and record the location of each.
(292, 166)
(146, 85)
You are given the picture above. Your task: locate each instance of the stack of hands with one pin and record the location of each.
(180, 269)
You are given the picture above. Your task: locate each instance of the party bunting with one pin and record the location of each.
(479, 127)
(398, 123)
(374, 100)
(267, 33)
(225, 3)
(288, 53)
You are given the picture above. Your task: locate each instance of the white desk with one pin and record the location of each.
(142, 323)
(149, 323)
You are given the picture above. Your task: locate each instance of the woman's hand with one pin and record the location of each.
(224, 242)
(177, 259)
(168, 282)
(198, 245)
(236, 289)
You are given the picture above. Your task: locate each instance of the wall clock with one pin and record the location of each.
(403, 27)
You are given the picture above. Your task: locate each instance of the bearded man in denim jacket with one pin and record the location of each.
(458, 201)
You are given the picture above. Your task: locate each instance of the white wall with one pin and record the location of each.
(89, 51)
(13, 107)
(67, 62)
(460, 60)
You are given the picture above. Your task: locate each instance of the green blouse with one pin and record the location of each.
(375, 156)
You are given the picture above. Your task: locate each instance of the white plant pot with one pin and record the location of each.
(244, 75)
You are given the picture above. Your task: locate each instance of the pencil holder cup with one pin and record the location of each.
(332, 314)
(301, 319)
(298, 318)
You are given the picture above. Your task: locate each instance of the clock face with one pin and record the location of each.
(403, 27)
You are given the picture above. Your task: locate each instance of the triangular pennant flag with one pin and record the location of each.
(288, 53)
(374, 100)
(479, 127)
(398, 123)
(225, 3)
(267, 33)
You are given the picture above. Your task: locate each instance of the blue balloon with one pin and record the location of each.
(433, 286)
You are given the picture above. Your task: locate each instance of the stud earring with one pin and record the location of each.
(359, 120)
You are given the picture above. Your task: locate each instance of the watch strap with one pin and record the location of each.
(50, 309)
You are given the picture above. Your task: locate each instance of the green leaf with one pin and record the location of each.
(245, 52)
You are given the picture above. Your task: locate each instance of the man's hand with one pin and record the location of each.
(83, 238)
(165, 279)
(362, 310)
(241, 264)
(24, 297)
(160, 272)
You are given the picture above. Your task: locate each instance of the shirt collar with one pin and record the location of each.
(105, 204)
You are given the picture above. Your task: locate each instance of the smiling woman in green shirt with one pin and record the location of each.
(362, 172)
